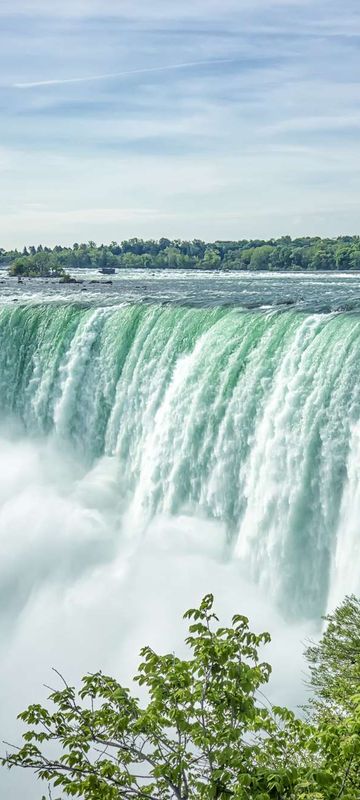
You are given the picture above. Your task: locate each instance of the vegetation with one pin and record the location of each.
(206, 729)
(281, 254)
(335, 662)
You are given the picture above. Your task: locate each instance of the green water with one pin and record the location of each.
(246, 417)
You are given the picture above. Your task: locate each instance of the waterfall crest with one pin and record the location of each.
(246, 417)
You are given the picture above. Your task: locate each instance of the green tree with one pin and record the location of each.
(205, 731)
(260, 257)
(274, 254)
(19, 267)
(212, 259)
(354, 259)
(334, 662)
(334, 707)
(342, 257)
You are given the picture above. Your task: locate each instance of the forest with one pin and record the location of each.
(284, 254)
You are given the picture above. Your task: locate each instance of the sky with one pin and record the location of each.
(212, 119)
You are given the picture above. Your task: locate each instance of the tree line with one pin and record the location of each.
(284, 254)
(205, 729)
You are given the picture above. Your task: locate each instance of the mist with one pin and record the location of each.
(83, 587)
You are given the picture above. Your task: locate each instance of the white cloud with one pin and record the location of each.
(135, 9)
(266, 192)
(6, 159)
(320, 123)
(123, 74)
(242, 148)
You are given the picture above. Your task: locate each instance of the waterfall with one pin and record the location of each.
(249, 418)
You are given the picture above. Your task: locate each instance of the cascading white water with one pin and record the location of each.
(152, 453)
(344, 577)
(243, 417)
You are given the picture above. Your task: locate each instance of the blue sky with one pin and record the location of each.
(200, 118)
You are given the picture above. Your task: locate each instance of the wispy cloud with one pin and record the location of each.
(142, 9)
(123, 74)
(228, 118)
(316, 123)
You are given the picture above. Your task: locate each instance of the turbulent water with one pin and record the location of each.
(246, 417)
(155, 450)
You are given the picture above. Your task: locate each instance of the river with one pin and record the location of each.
(162, 436)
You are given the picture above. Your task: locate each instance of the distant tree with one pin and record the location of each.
(354, 259)
(212, 259)
(115, 248)
(260, 258)
(342, 257)
(164, 243)
(282, 254)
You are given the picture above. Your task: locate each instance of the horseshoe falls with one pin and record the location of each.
(158, 442)
(249, 418)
